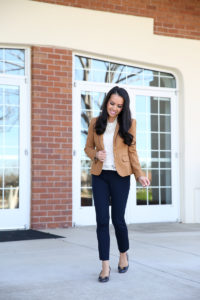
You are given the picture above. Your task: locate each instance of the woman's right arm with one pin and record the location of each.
(90, 145)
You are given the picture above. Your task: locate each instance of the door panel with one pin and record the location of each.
(157, 148)
(14, 178)
(153, 112)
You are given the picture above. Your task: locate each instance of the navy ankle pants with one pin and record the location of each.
(109, 185)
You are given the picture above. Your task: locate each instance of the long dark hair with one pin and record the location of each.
(124, 118)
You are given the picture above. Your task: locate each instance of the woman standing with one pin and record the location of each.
(111, 145)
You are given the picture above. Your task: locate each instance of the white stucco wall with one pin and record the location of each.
(129, 39)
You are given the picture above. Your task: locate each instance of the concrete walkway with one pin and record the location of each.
(164, 265)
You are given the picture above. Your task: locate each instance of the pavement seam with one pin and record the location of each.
(160, 246)
(142, 264)
(165, 272)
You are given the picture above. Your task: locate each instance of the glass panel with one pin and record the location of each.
(11, 136)
(145, 158)
(11, 115)
(86, 164)
(150, 139)
(155, 177)
(1, 95)
(86, 197)
(167, 82)
(165, 124)
(141, 141)
(154, 141)
(11, 200)
(117, 68)
(135, 80)
(99, 65)
(141, 196)
(165, 177)
(133, 70)
(154, 163)
(86, 100)
(88, 69)
(11, 157)
(1, 116)
(82, 62)
(141, 122)
(1, 178)
(150, 80)
(154, 154)
(85, 75)
(150, 72)
(9, 152)
(100, 76)
(92, 100)
(165, 106)
(1, 199)
(1, 155)
(11, 178)
(154, 159)
(165, 141)
(154, 123)
(118, 77)
(83, 138)
(86, 116)
(14, 61)
(12, 96)
(140, 104)
(79, 74)
(86, 179)
(153, 196)
(90, 103)
(11, 161)
(143, 163)
(166, 196)
(98, 99)
(1, 67)
(154, 105)
(165, 159)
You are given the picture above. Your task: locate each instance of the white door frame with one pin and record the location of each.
(20, 218)
(134, 213)
(166, 212)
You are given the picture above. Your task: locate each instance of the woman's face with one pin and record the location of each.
(114, 106)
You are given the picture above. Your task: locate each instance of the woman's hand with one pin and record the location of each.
(101, 155)
(144, 181)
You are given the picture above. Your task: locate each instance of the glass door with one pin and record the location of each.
(86, 105)
(157, 146)
(154, 112)
(14, 155)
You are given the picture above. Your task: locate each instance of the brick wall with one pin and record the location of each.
(179, 18)
(52, 103)
(51, 138)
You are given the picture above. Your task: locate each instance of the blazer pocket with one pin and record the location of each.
(125, 158)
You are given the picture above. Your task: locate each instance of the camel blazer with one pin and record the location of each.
(125, 157)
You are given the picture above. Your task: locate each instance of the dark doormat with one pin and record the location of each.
(21, 235)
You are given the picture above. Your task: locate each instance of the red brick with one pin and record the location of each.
(59, 219)
(48, 187)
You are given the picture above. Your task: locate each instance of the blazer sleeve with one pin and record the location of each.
(90, 145)
(133, 156)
